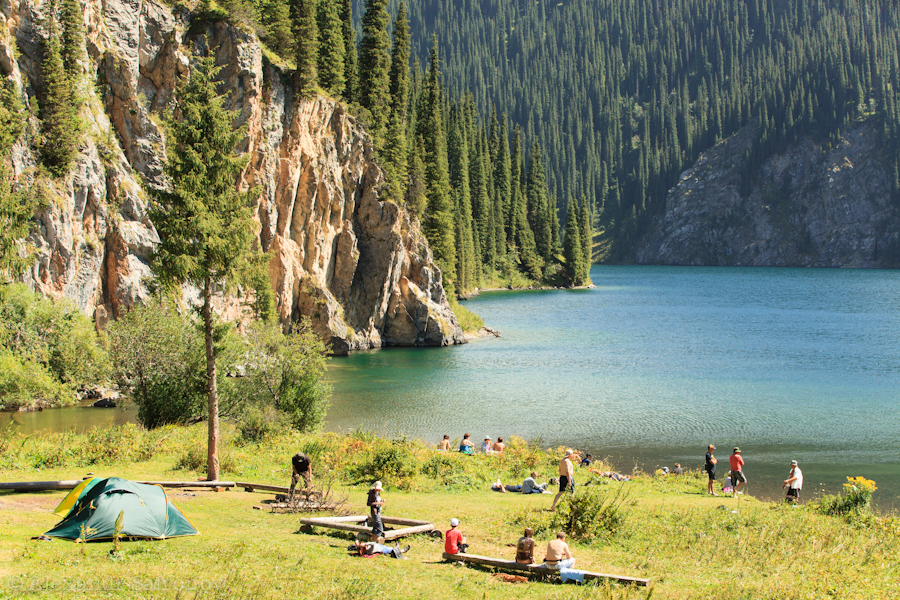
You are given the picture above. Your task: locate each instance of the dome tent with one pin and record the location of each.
(96, 505)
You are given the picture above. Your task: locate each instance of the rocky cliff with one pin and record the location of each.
(357, 267)
(807, 206)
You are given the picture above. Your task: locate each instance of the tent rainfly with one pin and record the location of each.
(96, 504)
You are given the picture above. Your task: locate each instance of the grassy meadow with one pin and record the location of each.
(664, 528)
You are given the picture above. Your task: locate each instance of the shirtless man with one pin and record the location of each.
(558, 554)
(445, 443)
(499, 446)
(566, 481)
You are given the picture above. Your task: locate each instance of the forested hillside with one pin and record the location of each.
(480, 193)
(623, 96)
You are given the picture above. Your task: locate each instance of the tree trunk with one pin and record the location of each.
(212, 465)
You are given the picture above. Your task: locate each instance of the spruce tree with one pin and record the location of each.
(205, 225)
(275, 15)
(351, 71)
(306, 44)
(60, 125)
(585, 219)
(395, 151)
(458, 151)
(73, 47)
(330, 66)
(438, 223)
(17, 204)
(572, 251)
(374, 65)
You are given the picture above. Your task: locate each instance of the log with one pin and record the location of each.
(191, 484)
(250, 487)
(325, 521)
(398, 521)
(392, 534)
(541, 568)
(341, 526)
(41, 486)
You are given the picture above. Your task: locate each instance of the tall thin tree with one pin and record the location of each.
(205, 224)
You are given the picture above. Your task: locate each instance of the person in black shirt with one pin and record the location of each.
(711, 469)
(302, 468)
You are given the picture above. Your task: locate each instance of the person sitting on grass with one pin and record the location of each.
(454, 540)
(373, 548)
(466, 446)
(587, 461)
(558, 554)
(445, 443)
(499, 446)
(486, 446)
(531, 486)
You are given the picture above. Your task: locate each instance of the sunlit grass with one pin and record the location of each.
(689, 544)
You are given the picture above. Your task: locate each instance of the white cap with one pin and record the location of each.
(454, 522)
(377, 486)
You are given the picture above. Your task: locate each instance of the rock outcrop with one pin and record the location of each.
(358, 267)
(807, 206)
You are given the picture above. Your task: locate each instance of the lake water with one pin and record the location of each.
(657, 362)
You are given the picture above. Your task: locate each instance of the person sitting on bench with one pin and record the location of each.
(558, 554)
(454, 540)
(525, 548)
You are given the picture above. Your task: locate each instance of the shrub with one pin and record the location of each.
(48, 348)
(855, 502)
(593, 513)
(394, 464)
(161, 363)
(258, 424)
(286, 372)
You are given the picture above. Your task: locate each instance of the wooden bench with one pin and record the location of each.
(356, 524)
(537, 568)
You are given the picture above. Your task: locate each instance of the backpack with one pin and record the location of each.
(373, 498)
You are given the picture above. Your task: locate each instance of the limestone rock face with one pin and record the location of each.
(807, 207)
(356, 266)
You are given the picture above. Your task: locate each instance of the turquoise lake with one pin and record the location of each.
(657, 362)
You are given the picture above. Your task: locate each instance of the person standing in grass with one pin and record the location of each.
(794, 483)
(566, 478)
(737, 471)
(454, 540)
(710, 468)
(375, 502)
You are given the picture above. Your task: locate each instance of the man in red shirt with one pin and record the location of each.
(454, 540)
(737, 471)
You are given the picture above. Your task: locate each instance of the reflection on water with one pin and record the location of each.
(657, 362)
(80, 418)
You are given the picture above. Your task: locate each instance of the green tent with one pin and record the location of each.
(148, 512)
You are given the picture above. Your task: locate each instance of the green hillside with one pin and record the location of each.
(623, 96)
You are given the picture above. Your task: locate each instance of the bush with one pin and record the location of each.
(394, 464)
(593, 513)
(161, 363)
(257, 424)
(856, 501)
(51, 341)
(286, 372)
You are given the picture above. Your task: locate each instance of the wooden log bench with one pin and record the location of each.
(537, 568)
(43, 486)
(356, 524)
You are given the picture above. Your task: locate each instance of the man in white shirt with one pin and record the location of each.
(794, 483)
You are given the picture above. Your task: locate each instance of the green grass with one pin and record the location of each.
(671, 532)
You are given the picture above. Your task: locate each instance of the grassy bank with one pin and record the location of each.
(664, 528)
